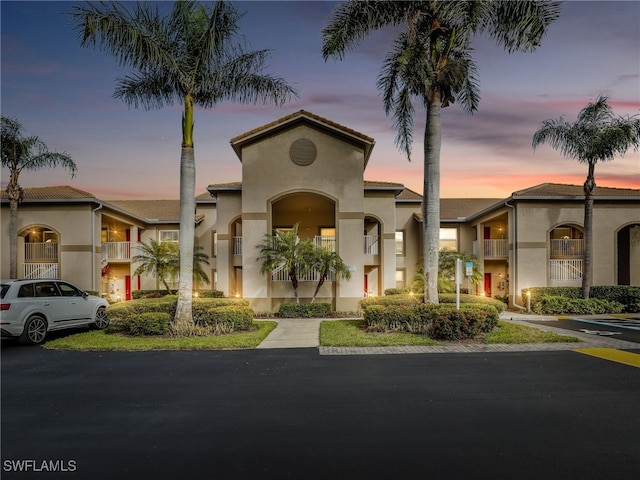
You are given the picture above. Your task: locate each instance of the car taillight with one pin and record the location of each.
(4, 306)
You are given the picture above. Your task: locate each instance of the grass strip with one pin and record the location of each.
(99, 340)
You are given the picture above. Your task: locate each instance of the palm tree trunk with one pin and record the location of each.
(589, 192)
(431, 199)
(184, 315)
(13, 238)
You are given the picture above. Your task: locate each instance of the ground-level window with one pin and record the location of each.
(400, 243)
(169, 235)
(400, 278)
(449, 239)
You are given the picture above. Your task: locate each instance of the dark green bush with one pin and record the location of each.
(135, 294)
(304, 310)
(149, 323)
(447, 323)
(210, 294)
(119, 314)
(397, 291)
(558, 305)
(390, 300)
(628, 296)
(394, 318)
(475, 299)
(229, 318)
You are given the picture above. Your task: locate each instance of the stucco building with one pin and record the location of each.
(306, 169)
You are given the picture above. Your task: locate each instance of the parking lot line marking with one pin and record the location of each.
(620, 356)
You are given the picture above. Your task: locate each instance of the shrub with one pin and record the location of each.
(150, 323)
(397, 291)
(210, 294)
(120, 313)
(556, 305)
(390, 300)
(304, 310)
(394, 318)
(474, 299)
(229, 318)
(135, 294)
(628, 296)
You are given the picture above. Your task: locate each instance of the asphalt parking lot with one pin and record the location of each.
(620, 329)
(292, 413)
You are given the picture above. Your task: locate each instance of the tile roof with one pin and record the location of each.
(164, 210)
(563, 190)
(62, 192)
(300, 114)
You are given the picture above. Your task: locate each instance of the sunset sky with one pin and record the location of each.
(64, 94)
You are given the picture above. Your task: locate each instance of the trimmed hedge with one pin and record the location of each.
(149, 323)
(229, 318)
(203, 309)
(390, 300)
(440, 322)
(628, 296)
(474, 299)
(136, 294)
(304, 310)
(557, 305)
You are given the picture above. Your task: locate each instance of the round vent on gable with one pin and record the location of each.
(303, 152)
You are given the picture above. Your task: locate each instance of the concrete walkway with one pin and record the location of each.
(305, 333)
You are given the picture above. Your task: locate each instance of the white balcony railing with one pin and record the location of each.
(495, 248)
(567, 248)
(41, 270)
(326, 242)
(116, 251)
(237, 245)
(565, 269)
(371, 244)
(41, 252)
(282, 275)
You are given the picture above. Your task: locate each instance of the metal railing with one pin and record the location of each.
(41, 270)
(41, 252)
(116, 251)
(565, 269)
(237, 245)
(326, 242)
(567, 248)
(495, 248)
(282, 275)
(371, 244)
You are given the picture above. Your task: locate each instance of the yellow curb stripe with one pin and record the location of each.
(620, 356)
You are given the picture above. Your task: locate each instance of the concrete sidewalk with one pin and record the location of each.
(305, 333)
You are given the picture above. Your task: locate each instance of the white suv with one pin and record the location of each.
(31, 308)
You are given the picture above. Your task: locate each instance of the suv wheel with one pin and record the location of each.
(102, 321)
(35, 329)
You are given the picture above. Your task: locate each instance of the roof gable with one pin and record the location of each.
(303, 117)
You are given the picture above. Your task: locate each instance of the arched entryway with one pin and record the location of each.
(39, 252)
(628, 255)
(566, 254)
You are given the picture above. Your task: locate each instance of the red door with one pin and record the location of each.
(487, 284)
(127, 287)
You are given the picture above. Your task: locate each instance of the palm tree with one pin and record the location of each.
(327, 262)
(596, 136)
(431, 62)
(285, 251)
(447, 271)
(189, 56)
(155, 259)
(21, 153)
(199, 257)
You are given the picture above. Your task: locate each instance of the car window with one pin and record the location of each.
(26, 290)
(46, 289)
(69, 290)
(4, 289)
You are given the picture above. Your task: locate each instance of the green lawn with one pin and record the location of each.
(99, 340)
(348, 333)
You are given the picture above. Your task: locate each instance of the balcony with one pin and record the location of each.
(371, 244)
(41, 270)
(116, 251)
(565, 270)
(493, 248)
(41, 252)
(567, 248)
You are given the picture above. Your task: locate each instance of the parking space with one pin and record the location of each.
(627, 329)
